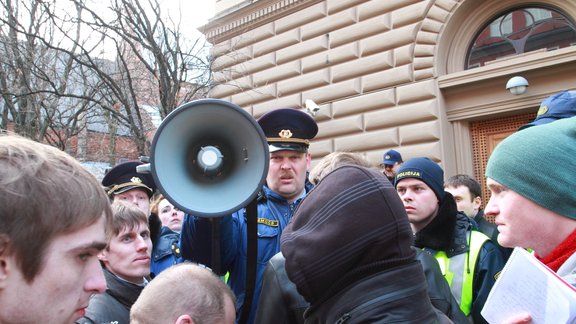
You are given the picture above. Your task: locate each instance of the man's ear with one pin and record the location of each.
(103, 255)
(6, 260)
(184, 319)
(477, 202)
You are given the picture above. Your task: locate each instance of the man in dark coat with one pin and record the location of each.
(348, 251)
(126, 263)
(280, 301)
(467, 193)
(470, 261)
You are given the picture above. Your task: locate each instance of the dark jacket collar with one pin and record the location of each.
(123, 291)
(447, 231)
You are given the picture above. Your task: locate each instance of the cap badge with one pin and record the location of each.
(136, 180)
(387, 157)
(543, 109)
(285, 133)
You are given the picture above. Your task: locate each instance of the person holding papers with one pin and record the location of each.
(534, 201)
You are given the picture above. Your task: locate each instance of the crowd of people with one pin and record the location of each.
(342, 242)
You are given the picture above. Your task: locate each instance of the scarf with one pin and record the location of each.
(561, 253)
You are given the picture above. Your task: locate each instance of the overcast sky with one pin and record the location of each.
(194, 13)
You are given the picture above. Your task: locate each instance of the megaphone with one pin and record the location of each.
(209, 158)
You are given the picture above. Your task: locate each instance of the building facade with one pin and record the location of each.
(425, 77)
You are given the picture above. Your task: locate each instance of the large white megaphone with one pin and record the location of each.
(209, 158)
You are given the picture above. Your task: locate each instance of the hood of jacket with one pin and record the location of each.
(351, 225)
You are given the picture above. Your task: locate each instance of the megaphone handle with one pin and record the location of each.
(251, 258)
(215, 228)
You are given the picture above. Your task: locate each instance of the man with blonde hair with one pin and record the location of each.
(333, 160)
(52, 224)
(184, 294)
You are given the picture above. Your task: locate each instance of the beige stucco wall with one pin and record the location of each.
(382, 72)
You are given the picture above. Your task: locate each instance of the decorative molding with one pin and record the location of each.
(511, 66)
(250, 16)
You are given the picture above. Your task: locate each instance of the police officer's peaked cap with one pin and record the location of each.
(288, 129)
(391, 157)
(123, 177)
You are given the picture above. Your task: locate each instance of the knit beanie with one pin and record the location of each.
(539, 163)
(351, 221)
(424, 169)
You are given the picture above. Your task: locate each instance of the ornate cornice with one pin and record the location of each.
(253, 14)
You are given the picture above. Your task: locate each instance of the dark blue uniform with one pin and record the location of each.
(286, 129)
(274, 213)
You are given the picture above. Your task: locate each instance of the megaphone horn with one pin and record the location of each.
(209, 158)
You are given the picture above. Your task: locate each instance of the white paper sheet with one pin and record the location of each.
(528, 286)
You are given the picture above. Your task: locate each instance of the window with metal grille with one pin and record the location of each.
(520, 31)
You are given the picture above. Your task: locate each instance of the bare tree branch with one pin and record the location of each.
(55, 81)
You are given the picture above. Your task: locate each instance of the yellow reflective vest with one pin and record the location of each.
(459, 270)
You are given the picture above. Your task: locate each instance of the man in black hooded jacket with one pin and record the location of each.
(280, 298)
(348, 251)
(469, 260)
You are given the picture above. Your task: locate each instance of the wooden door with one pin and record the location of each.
(486, 135)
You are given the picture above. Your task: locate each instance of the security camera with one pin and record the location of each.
(311, 107)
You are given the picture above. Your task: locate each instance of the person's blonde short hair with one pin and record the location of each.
(334, 160)
(185, 288)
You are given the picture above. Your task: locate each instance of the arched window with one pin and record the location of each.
(519, 31)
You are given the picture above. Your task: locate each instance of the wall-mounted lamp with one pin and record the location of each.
(311, 107)
(517, 85)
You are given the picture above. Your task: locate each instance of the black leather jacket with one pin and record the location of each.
(281, 303)
(113, 306)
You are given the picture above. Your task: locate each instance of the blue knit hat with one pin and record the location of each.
(424, 169)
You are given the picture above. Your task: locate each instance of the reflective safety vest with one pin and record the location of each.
(455, 270)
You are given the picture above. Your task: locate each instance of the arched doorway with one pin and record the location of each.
(479, 109)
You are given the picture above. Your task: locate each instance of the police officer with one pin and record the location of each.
(469, 260)
(288, 132)
(123, 182)
(391, 161)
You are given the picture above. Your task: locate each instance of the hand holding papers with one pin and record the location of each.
(528, 286)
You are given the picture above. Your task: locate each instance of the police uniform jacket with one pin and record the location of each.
(448, 232)
(113, 306)
(274, 214)
(166, 251)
